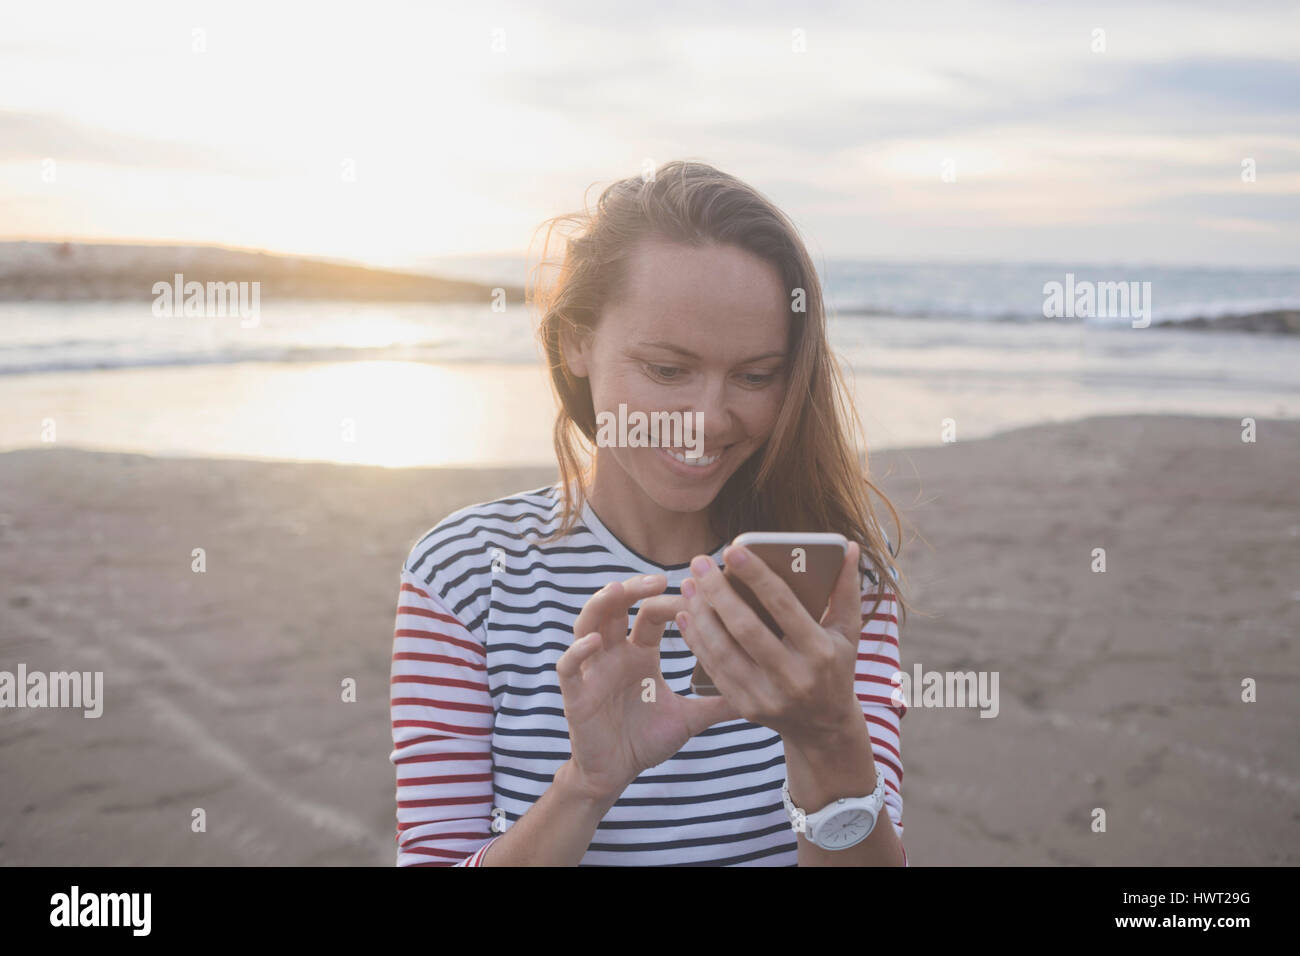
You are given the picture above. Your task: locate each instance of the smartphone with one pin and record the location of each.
(808, 562)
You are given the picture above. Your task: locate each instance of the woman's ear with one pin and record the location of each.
(574, 346)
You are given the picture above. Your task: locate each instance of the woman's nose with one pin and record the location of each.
(711, 407)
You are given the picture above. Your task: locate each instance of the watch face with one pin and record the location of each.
(844, 829)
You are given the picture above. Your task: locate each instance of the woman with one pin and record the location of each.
(542, 711)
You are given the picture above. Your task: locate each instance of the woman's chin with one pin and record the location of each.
(673, 492)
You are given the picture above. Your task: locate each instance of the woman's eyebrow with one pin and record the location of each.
(689, 354)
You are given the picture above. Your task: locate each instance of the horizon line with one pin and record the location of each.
(522, 254)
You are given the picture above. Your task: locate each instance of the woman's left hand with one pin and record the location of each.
(802, 686)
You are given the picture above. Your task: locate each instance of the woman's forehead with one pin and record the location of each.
(660, 271)
(685, 294)
(734, 334)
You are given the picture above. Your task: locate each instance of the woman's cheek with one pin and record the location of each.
(632, 388)
(769, 409)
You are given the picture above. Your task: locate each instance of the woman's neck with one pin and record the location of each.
(664, 537)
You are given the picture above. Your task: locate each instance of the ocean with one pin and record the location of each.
(409, 384)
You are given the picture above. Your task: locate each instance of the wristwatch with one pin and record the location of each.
(841, 824)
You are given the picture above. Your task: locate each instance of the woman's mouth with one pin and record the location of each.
(701, 467)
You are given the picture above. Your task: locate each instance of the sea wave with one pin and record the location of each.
(1001, 313)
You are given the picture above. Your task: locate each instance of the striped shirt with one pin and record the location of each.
(484, 612)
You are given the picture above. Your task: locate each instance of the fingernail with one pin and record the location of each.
(688, 588)
(738, 556)
(701, 566)
(683, 620)
(650, 579)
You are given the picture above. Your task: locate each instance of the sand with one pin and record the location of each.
(1118, 690)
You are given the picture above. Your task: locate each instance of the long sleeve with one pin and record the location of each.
(878, 662)
(442, 733)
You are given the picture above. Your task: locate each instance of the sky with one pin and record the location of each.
(392, 132)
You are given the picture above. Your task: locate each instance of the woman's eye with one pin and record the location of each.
(757, 379)
(667, 373)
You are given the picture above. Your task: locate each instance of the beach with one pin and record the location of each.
(224, 690)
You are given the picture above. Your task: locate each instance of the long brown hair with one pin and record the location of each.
(806, 476)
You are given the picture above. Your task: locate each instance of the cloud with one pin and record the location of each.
(1250, 87)
(478, 145)
(1239, 204)
(31, 136)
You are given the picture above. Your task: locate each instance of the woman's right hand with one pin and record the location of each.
(623, 717)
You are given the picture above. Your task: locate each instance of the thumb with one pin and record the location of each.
(844, 612)
(703, 712)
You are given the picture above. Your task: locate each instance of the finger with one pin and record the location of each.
(653, 617)
(616, 596)
(569, 667)
(796, 624)
(607, 610)
(734, 672)
(844, 613)
(762, 646)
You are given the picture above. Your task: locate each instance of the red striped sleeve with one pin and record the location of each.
(442, 729)
(476, 859)
(874, 683)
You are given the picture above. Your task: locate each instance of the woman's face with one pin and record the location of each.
(697, 329)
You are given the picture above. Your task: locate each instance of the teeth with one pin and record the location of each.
(702, 462)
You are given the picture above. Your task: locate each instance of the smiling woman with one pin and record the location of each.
(545, 641)
(693, 292)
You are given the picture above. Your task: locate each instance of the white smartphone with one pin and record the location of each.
(809, 562)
